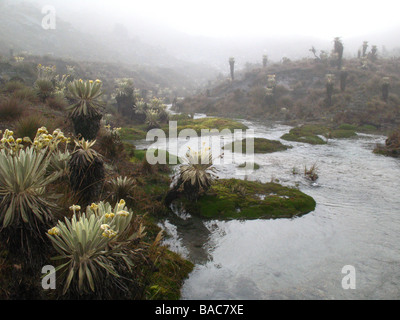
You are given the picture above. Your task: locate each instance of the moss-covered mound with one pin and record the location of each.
(261, 145)
(311, 133)
(208, 123)
(166, 282)
(240, 199)
(139, 132)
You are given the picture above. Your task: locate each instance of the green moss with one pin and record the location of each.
(261, 145)
(133, 133)
(346, 126)
(305, 139)
(311, 133)
(340, 134)
(157, 184)
(208, 123)
(139, 132)
(172, 270)
(239, 199)
(367, 128)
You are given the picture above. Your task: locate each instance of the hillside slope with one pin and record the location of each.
(300, 93)
(21, 33)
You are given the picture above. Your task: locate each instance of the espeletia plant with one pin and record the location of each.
(95, 250)
(196, 174)
(25, 208)
(86, 172)
(122, 188)
(85, 110)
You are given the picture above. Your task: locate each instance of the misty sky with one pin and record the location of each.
(262, 17)
(251, 18)
(317, 18)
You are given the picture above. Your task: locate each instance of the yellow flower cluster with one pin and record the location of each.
(121, 204)
(109, 215)
(54, 231)
(75, 208)
(112, 131)
(9, 143)
(199, 157)
(155, 102)
(46, 72)
(94, 207)
(19, 59)
(123, 213)
(108, 232)
(43, 139)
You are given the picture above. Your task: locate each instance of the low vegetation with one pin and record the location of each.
(139, 132)
(319, 134)
(239, 199)
(261, 145)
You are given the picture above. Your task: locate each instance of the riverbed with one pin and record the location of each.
(356, 222)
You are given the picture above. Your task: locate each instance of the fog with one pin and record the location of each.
(209, 32)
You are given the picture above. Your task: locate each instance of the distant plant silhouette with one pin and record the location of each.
(385, 88)
(330, 78)
(264, 60)
(338, 49)
(126, 99)
(364, 48)
(232, 67)
(374, 53)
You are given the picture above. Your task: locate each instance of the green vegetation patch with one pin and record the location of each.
(240, 199)
(311, 133)
(166, 282)
(261, 145)
(340, 134)
(208, 123)
(139, 132)
(133, 133)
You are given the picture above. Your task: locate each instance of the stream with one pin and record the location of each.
(356, 222)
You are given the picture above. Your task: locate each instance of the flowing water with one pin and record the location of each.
(356, 222)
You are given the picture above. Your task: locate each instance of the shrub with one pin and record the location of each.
(12, 86)
(45, 88)
(122, 188)
(311, 174)
(27, 94)
(152, 119)
(109, 142)
(11, 108)
(56, 102)
(28, 126)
